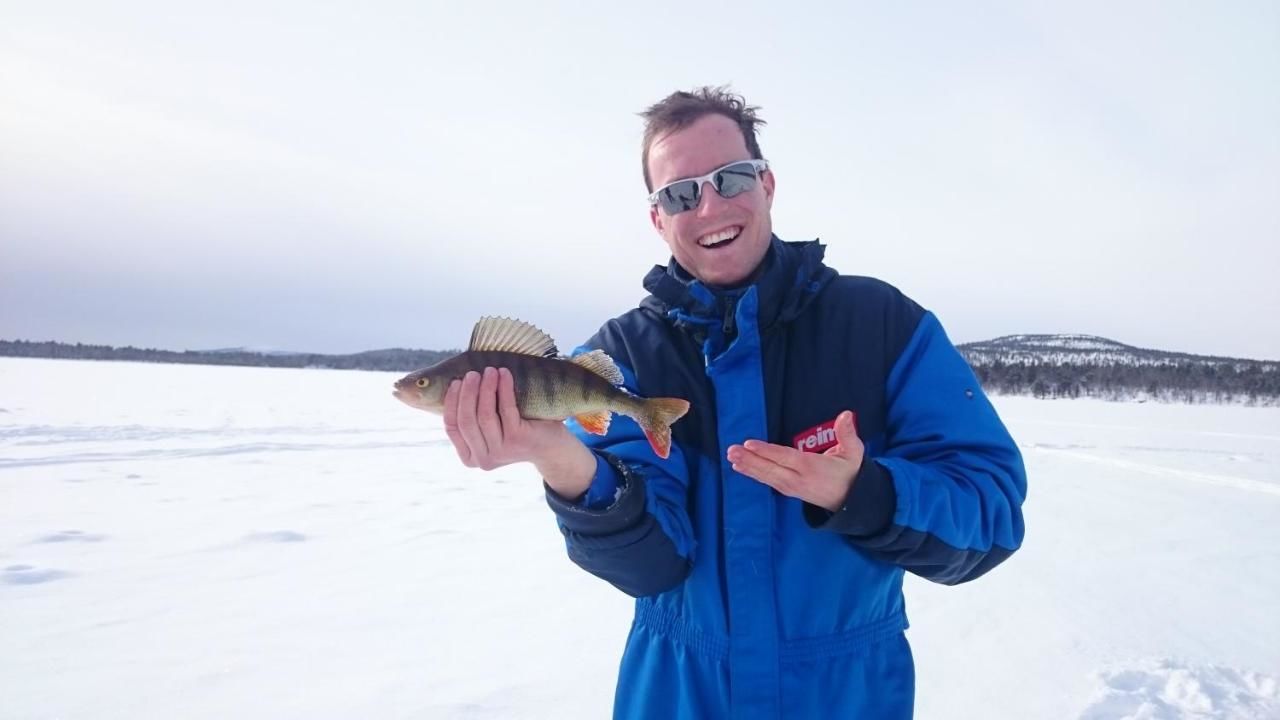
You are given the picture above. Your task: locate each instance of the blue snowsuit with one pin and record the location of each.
(751, 604)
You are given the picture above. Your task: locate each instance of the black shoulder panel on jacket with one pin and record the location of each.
(874, 302)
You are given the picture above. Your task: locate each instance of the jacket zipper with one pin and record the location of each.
(730, 327)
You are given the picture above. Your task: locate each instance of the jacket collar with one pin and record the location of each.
(789, 276)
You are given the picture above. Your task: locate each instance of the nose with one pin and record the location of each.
(710, 200)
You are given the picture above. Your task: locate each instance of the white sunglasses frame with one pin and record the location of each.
(760, 165)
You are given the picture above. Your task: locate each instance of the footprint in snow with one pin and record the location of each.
(276, 536)
(70, 536)
(1174, 690)
(30, 575)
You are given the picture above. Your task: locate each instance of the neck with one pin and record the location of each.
(751, 278)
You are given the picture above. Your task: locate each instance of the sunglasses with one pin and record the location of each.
(730, 180)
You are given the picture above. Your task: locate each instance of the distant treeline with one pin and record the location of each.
(1247, 381)
(1139, 375)
(394, 359)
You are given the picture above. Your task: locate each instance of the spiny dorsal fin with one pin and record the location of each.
(514, 336)
(601, 364)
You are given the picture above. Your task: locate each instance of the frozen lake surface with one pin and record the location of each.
(210, 542)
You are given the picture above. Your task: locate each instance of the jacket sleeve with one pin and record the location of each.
(632, 527)
(944, 498)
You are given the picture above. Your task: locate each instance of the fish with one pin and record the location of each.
(548, 386)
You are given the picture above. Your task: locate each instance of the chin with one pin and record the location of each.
(734, 272)
(728, 280)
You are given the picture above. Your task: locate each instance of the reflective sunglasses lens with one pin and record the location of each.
(678, 197)
(735, 179)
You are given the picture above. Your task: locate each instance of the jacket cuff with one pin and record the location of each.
(626, 510)
(867, 511)
(603, 491)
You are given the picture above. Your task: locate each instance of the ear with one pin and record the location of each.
(655, 217)
(768, 183)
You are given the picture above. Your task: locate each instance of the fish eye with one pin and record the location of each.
(423, 382)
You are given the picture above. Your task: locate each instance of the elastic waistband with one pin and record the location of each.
(716, 647)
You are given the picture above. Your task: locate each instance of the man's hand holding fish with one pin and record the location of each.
(482, 419)
(505, 398)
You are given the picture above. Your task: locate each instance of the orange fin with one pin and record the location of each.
(596, 423)
(656, 420)
(661, 443)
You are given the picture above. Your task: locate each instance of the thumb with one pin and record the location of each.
(847, 441)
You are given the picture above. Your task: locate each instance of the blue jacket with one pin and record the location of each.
(751, 604)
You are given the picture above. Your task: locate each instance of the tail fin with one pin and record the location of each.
(656, 417)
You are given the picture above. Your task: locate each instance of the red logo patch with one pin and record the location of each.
(819, 437)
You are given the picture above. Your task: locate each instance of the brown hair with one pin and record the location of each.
(679, 110)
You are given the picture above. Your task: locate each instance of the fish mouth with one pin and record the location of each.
(415, 400)
(406, 396)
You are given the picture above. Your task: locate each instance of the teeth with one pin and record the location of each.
(727, 233)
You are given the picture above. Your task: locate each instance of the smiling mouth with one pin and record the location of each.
(721, 238)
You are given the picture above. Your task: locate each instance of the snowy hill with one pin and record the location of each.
(1088, 349)
(1092, 366)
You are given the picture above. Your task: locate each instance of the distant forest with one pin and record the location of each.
(1072, 366)
(1250, 382)
(395, 359)
(1039, 366)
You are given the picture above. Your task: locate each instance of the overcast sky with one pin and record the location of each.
(340, 178)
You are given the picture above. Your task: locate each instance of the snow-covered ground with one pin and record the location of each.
(199, 542)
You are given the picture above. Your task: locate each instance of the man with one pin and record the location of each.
(836, 439)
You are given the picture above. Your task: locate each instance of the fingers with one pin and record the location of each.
(487, 409)
(468, 423)
(508, 411)
(780, 454)
(473, 420)
(848, 445)
(753, 463)
(823, 480)
(451, 423)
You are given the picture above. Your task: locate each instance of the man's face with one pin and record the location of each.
(711, 142)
